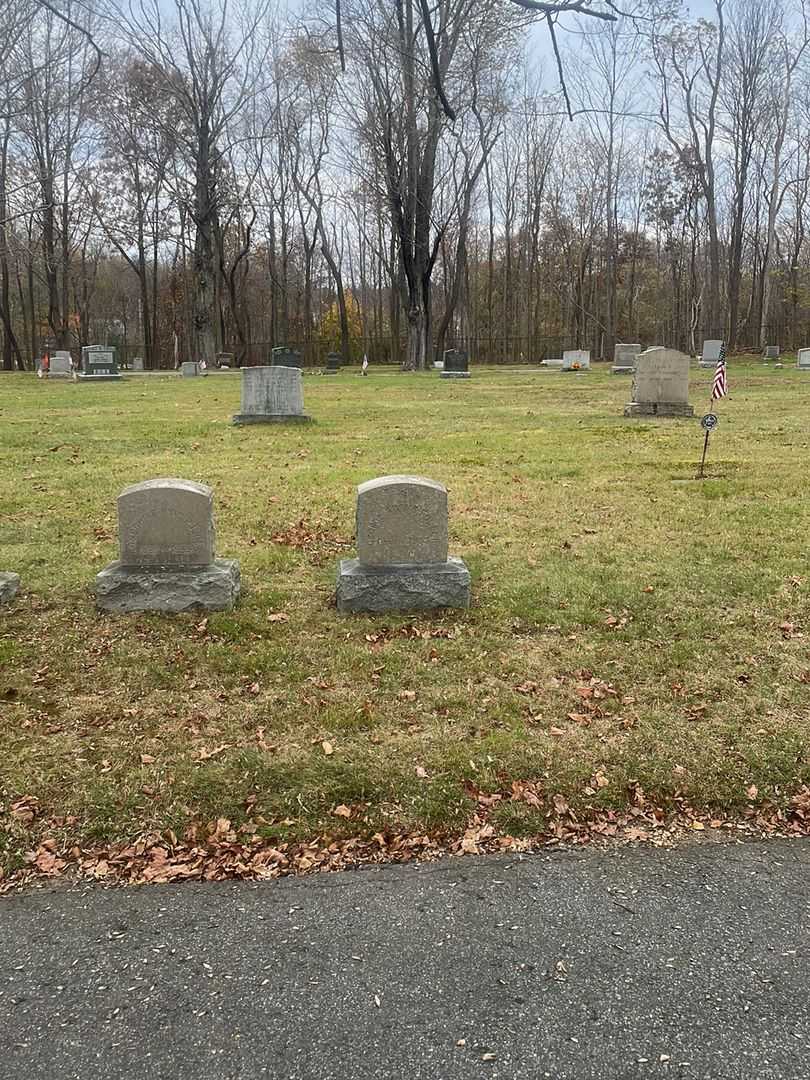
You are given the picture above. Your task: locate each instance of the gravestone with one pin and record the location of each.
(455, 365)
(438, 365)
(771, 352)
(137, 363)
(9, 584)
(333, 362)
(224, 360)
(284, 356)
(402, 562)
(60, 364)
(272, 395)
(167, 561)
(98, 364)
(576, 360)
(189, 369)
(660, 384)
(803, 360)
(624, 358)
(710, 354)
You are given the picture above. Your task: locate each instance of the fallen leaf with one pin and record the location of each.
(327, 747)
(278, 616)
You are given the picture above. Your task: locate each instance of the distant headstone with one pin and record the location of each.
(624, 358)
(137, 363)
(9, 584)
(333, 362)
(284, 356)
(60, 364)
(576, 360)
(272, 395)
(98, 364)
(438, 365)
(771, 352)
(189, 369)
(660, 384)
(455, 365)
(402, 562)
(710, 354)
(803, 360)
(167, 561)
(224, 360)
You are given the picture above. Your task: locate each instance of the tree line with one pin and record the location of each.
(187, 178)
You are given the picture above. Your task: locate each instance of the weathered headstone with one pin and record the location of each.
(803, 360)
(167, 561)
(576, 360)
(771, 352)
(272, 395)
(98, 364)
(284, 356)
(660, 384)
(60, 364)
(9, 584)
(137, 363)
(189, 369)
(224, 360)
(402, 562)
(711, 353)
(456, 365)
(624, 358)
(333, 362)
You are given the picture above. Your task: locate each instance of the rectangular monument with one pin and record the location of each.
(771, 352)
(803, 360)
(272, 395)
(576, 360)
(333, 363)
(190, 369)
(137, 363)
(455, 365)
(167, 561)
(402, 545)
(711, 353)
(624, 358)
(660, 384)
(98, 364)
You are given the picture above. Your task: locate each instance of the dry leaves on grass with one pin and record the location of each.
(318, 539)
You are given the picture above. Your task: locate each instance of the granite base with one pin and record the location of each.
(136, 588)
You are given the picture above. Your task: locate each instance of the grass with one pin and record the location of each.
(630, 623)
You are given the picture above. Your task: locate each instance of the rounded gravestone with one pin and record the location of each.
(166, 522)
(401, 519)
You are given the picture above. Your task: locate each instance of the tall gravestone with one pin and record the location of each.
(9, 584)
(333, 362)
(711, 353)
(284, 356)
(660, 384)
(771, 352)
(624, 358)
(576, 360)
(98, 364)
(402, 541)
(272, 395)
(137, 363)
(167, 561)
(456, 365)
(803, 360)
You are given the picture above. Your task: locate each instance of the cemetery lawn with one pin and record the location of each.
(637, 652)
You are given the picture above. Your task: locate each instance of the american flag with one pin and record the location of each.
(720, 386)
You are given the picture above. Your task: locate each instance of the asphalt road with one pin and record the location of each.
(634, 963)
